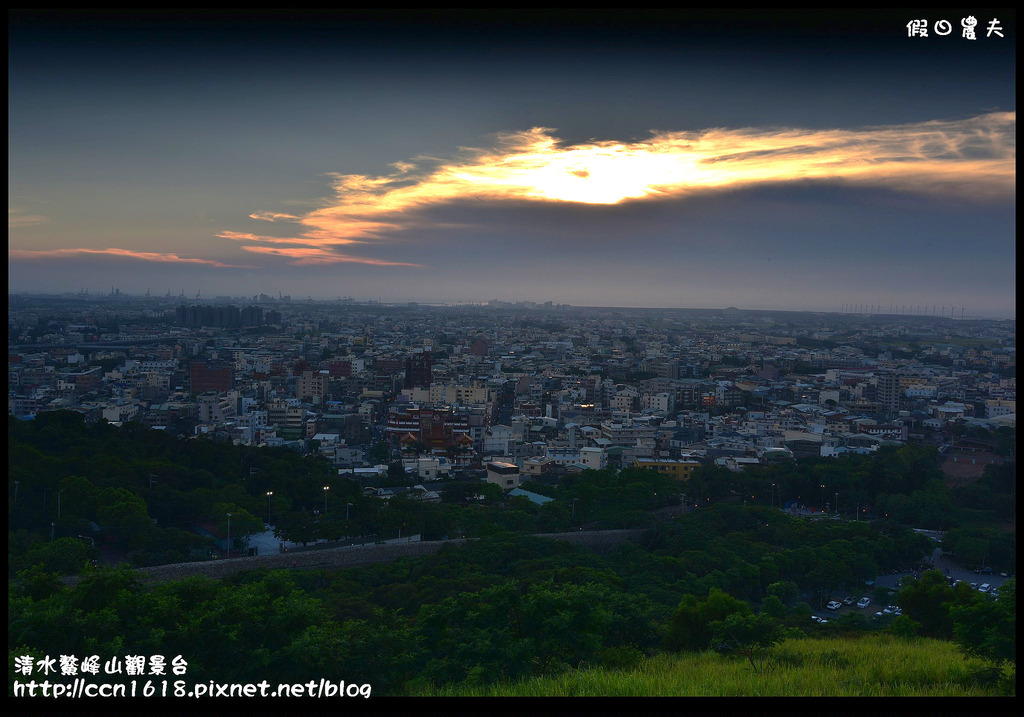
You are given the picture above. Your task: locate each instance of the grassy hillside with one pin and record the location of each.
(880, 665)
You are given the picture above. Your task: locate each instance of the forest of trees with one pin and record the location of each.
(504, 607)
(735, 575)
(145, 492)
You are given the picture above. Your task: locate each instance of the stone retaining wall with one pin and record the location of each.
(353, 555)
(343, 557)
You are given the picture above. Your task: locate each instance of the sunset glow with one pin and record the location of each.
(125, 253)
(778, 158)
(303, 256)
(973, 157)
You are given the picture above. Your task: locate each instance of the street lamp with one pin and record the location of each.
(229, 535)
(822, 497)
(326, 488)
(773, 495)
(269, 493)
(347, 506)
(837, 503)
(58, 503)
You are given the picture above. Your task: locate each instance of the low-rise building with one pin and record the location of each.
(677, 468)
(505, 475)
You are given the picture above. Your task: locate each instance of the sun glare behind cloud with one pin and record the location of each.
(969, 159)
(972, 158)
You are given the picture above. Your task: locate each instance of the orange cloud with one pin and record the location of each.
(308, 238)
(127, 253)
(311, 255)
(16, 219)
(972, 158)
(273, 216)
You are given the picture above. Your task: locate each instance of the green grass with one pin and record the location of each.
(876, 666)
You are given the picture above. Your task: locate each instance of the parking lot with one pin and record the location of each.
(937, 561)
(950, 568)
(845, 609)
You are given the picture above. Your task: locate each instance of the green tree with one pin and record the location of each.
(492, 493)
(259, 616)
(751, 636)
(881, 596)
(773, 607)
(121, 512)
(785, 590)
(460, 493)
(36, 582)
(383, 651)
(905, 627)
(397, 474)
(565, 623)
(379, 453)
(65, 556)
(690, 626)
(928, 599)
(297, 527)
(243, 523)
(988, 627)
(476, 637)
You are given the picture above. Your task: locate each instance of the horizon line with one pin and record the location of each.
(406, 303)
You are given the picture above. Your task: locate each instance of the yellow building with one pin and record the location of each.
(676, 468)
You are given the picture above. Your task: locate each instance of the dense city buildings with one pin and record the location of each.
(546, 388)
(209, 376)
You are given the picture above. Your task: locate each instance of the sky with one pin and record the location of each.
(695, 159)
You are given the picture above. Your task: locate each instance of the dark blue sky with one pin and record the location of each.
(141, 144)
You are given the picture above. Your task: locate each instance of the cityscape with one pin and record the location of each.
(278, 371)
(366, 360)
(413, 414)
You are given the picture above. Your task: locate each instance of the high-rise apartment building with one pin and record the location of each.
(888, 391)
(417, 370)
(312, 386)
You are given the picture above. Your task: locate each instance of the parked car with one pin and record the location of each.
(985, 587)
(864, 602)
(834, 605)
(986, 571)
(848, 600)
